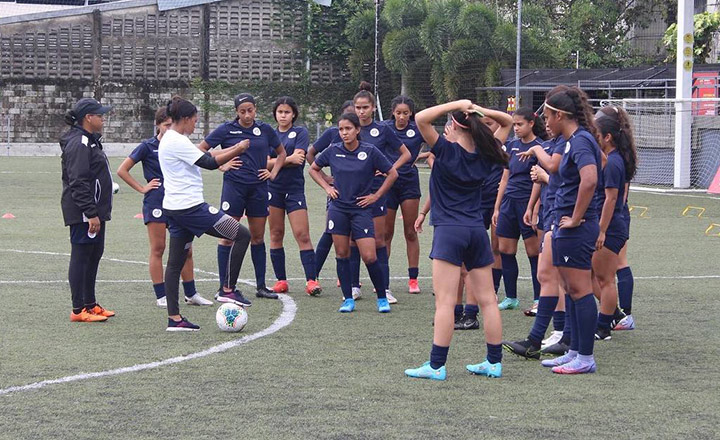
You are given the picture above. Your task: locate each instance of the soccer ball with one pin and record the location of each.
(231, 317)
(115, 187)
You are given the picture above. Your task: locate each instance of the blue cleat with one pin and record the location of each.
(486, 369)
(383, 305)
(509, 304)
(427, 372)
(562, 360)
(347, 306)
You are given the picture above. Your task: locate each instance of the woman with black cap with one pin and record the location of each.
(86, 204)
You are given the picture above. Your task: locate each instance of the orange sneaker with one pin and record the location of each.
(281, 286)
(85, 316)
(413, 286)
(313, 288)
(101, 311)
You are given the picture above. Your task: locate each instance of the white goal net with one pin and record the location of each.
(654, 129)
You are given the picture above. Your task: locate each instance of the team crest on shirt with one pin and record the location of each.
(292, 135)
(225, 206)
(374, 132)
(256, 131)
(362, 155)
(411, 133)
(157, 213)
(331, 224)
(213, 210)
(567, 147)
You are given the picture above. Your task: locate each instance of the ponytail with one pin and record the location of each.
(530, 116)
(178, 108)
(487, 146)
(616, 122)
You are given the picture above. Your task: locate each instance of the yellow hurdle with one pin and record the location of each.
(643, 209)
(690, 211)
(710, 228)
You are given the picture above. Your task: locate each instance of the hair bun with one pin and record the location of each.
(365, 86)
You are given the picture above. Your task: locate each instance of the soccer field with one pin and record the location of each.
(332, 375)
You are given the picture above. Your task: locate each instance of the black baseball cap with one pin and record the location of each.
(89, 106)
(243, 98)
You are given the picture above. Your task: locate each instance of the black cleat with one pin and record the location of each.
(602, 334)
(558, 349)
(235, 297)
(264, 292)
(617, 317)
(524, 348)
(467, 323)
(458, 321)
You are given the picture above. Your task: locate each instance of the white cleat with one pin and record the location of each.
(356, 293)
(553, 339)
(198, 300)
(391, 299)
(162, 302)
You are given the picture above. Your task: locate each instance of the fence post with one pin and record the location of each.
(97, 53)
(205, 64)
(683, 92)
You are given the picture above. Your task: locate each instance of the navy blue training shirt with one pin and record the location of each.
(384, 139)
(262, 139)
(329, 136)
(456, 183)
(147, 153)
(548, 194)
(290, 179)
(353, 171)
(614, 177)
(492, 185)
(413, 140)
(580, 150)
(519, 185)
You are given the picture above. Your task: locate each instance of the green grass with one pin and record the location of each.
(337, 376)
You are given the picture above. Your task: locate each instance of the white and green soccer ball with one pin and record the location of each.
(231, 317)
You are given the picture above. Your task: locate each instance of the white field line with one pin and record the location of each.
(285, 318)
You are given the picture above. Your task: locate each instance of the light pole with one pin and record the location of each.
(517, 54)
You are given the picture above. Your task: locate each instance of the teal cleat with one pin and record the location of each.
(347, 306)
(486, 369)
(509, 304)
(427, 372)
(383, 305)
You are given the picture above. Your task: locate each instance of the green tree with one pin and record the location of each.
(401, 47)
(707, 26)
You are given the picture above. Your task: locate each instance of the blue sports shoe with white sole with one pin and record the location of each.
(383, 305)
(347, 306)
(562, 360)
(427, 372)
(509, 304)
(486, 369)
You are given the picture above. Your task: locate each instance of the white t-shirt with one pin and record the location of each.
(181, 177)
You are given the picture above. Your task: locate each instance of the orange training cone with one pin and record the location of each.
(140, 216)
(8, 216)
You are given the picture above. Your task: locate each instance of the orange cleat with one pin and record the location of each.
(281, 286)
(100, 311)
(313, 288)
(413, 286)
(85, 316)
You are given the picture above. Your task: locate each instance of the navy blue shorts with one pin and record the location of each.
(574, 247)
(462, 245)
(356, 222)
(405, 188)
(152, 207)
(487, 214)
(79, 234)
(290, 202)
(193, 221)
(379, 208)
(510, 221)
(615, 242)
(541, 218)
(252, 200)
(548, 219)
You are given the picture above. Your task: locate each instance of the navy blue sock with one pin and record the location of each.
(189, 288)
(471, 311)
(159, 289)
(497, 276)
(259, 259)
(277, 257)
(459, 309)
(570, 306)
(494, 353)
(382, 257)
(307, 258)
(223, 256)
(558, 321)
(510, 274)
(625, 285)
(355, 266)
(533, 275)
(413, 273)
(586, 312)
(546, 306)
(438, 356)
(377, 275)
(567, 330)
(604, 320)
(321, 252)
(343, 274)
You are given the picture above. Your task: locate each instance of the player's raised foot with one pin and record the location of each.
(576, 366)
(564, 359)
(532, 311)
(313, 288)
(554, 338)
(97, 309)
(235, 297)
(281, 286)
(391, 299)
(85, 316)
(509, 304)
(627, 323)
(198, 300)
(486, 369)
(427, 372)
(356, 293)
(161, 302)
(413, 287)
(557, 349)
(347, 306)
(181, 326)
(603, 334)
(264, 292)
(524, 348)
(383, 305)
(467, 323)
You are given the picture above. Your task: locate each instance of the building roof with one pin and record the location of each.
(14, 9)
